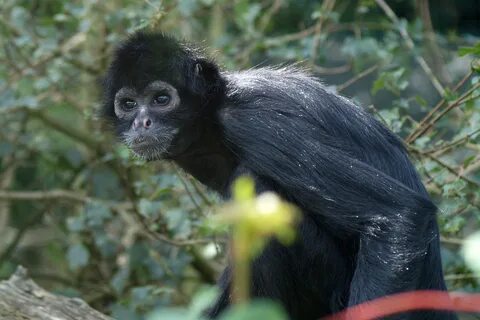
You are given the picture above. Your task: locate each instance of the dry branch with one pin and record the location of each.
(21, 298)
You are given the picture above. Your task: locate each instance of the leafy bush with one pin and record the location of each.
(90, 220)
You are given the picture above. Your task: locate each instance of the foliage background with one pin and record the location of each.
(89, 220)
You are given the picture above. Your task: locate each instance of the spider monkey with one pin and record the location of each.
(368, 226)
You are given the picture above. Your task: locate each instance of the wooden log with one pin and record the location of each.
(21, 298)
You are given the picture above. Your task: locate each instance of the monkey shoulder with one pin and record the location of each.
(288, 97)
(285, 112)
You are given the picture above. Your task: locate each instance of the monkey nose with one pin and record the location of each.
(147, 123)
(143, 122)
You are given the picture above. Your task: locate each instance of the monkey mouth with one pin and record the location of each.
(147, 147)
(140, 141)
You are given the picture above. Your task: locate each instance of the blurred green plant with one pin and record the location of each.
(255, 221)
(256, 309)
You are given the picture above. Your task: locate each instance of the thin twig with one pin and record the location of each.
(76, 197)
(453, 171)
(433, 50)
(44, 195)
(456, 241)
(327, 7)
(267, 17)
(357, 77)
(415, 134)
(283, 39)
(471, 201)
(331, 70)
(438, 151)
(190, 194)
(201, 193)
(67, 46)
(452, 277)
(411, 46)
(18, 237)
(86, 138)
(431, 119)
(277, 41)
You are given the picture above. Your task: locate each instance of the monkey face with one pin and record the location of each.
(157, 95)
(150, 120)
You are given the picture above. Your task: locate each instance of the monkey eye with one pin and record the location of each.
(129, 104)
(162, 99)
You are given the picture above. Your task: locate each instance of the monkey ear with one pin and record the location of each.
(206, 79)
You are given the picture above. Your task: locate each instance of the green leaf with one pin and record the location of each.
(392, 81)
(422, 142)
(121, 312)
(454, 224)
(120, 279)
(476, 65)
(468, 160)
(450, 95)
(454, 188)
(107, 246)
(76, 224)
(77, 256)
(187, 7)
(149, 209)
(141, 295)
(378, 85)
(475, 50)
(258, 309)
(421, 101)
(168, 314)
(178, 222)
(6, 149)
(202, 300)
(96, 214)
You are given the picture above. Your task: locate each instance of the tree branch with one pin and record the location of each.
(21, 298)
(410, 45)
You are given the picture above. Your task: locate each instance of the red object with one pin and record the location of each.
(410, 301)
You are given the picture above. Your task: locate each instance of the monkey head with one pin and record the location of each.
(157, 94)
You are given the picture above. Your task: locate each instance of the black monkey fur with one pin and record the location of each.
(368, 229)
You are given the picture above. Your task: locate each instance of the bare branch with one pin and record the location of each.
(436, 117)
(327, 7)
(44, 195)
(410, 45)
(21, 298)
(357, 77)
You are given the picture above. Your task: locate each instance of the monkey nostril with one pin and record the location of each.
(147, 123)
(136, 124)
